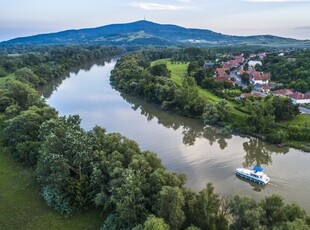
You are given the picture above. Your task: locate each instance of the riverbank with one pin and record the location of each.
(179, 71)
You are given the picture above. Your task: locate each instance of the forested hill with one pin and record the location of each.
(149, 33)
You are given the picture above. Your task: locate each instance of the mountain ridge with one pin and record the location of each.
(149, 33)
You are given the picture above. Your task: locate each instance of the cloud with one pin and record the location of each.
(185, 1)
(158, 6)
(277, 1)
(302, 28)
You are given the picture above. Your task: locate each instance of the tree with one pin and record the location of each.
(261, 115)
(160, 70)
(129, 199)
(155, 223)
(64, 163)
(170, 206)
(216, 112)
(245, 78)
(246, 213)
(207, 212)
(284, 109)
(26, 75)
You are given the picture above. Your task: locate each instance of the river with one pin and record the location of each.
(182, 143)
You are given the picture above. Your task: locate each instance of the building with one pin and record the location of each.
(300, 98)
(283, 92)
(297, 97)
(255, 95)
(259, 78)
(254, 63)
(265, 89)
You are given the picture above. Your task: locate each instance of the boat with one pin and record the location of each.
(256, 175)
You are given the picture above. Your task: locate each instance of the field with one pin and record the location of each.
(300, 120)
(22, 207)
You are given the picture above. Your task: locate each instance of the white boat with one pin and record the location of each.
(256, 175)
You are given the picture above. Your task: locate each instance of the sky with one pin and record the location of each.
(287, 18)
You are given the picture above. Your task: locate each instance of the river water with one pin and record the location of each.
(182, 143)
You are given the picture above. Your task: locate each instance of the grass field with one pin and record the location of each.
(22, 207)
(300, 120)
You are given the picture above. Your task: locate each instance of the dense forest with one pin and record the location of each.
(80, 170)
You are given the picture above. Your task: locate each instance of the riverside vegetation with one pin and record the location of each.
(190, 90)
(82, 171)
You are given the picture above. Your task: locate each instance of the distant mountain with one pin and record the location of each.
(149, 33)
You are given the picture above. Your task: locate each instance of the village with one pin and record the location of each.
(242, 72)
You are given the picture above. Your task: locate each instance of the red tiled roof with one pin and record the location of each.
(284, 92)
(222, 78)
(221, 71)
(299, 96)
(265, 87)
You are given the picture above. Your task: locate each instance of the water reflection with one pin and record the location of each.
(47, 90)
(259, 152)
(192, 129)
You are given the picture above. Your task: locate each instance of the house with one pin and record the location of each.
(259, 78)
(283, 92)
(246, 95)
(300, 98)
(265, 89)
(297, 97)
(221, 71)
(254, 63)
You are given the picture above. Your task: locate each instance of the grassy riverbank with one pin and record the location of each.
(22, 207)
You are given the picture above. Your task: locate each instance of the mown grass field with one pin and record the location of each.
(22, 207)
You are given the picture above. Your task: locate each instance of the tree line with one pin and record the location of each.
(82, 170)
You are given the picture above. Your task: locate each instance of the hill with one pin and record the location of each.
(150, 33)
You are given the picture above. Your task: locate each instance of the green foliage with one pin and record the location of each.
(160, 70)
(26, 75)
(215, 113)
(284, 108)
(170, 206)
(262, 115)
(269, 213)
(155, 223)
(278, 136)
(293, 69)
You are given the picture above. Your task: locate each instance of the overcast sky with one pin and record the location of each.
(288, 18)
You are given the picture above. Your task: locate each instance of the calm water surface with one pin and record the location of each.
(183, 144)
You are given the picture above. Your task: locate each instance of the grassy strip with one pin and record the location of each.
(22, 207)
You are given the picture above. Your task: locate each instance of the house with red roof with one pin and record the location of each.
(265, 89)
(259, 78)
(256, 95)
(297, 97)
(283, 92)
(300, 98)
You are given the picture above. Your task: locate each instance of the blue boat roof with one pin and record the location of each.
(256, 168)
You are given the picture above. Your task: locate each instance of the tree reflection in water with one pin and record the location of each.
(192, 129)
(259, 152)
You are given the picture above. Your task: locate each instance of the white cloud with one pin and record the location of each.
(158, 6)
(277, 1)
